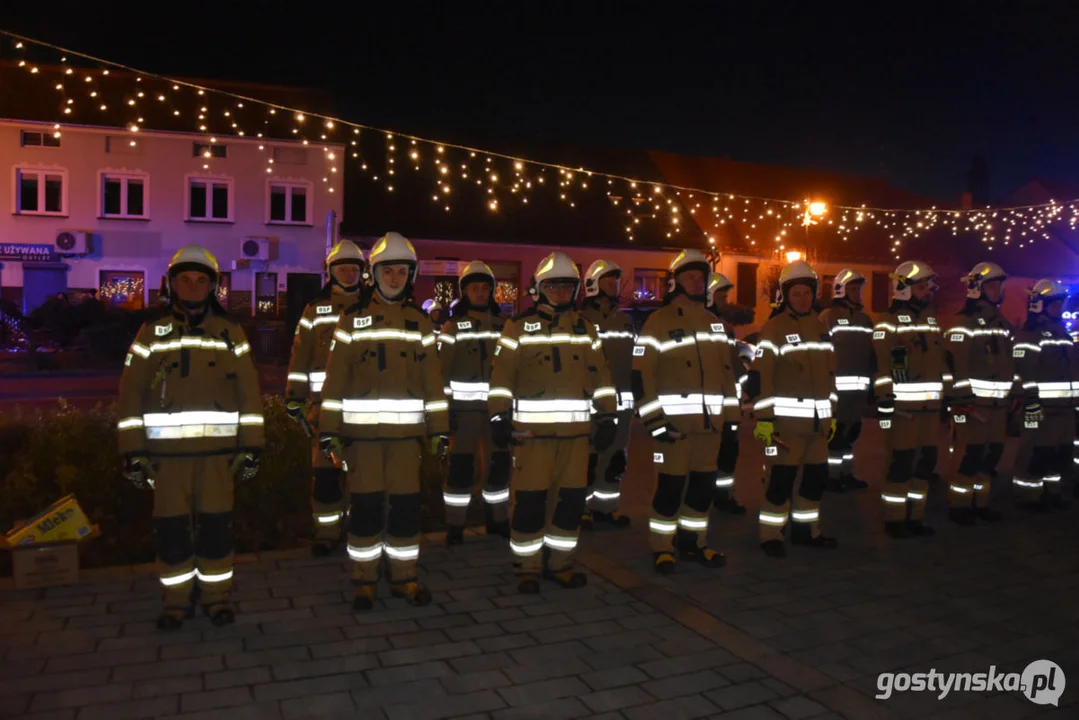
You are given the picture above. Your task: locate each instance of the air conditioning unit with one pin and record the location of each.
(255, 248)
(73, 242)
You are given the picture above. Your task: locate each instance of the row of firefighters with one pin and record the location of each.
(542, 403)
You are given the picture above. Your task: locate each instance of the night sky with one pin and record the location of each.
(909, 92)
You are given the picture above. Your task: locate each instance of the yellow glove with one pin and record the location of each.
(831, 433)
(764, 430)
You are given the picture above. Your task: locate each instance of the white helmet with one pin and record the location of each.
(717, 282)
(689, 259)
(475, 270)
(910, 273)
(845, 277)
(798, 271)
(1045, 291)
(597, 270)
(345, 252)
(394, 248)
(556, 266)
(431, 305)
(193, 258)
(982, 273)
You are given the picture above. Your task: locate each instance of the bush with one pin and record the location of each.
(66, 450)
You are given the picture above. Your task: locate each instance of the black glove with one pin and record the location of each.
(900, 364)
(606, 429)
(294, 408)
(502, 430)
(330, 444)
(137, 469)
(245, 465)
(664, 433)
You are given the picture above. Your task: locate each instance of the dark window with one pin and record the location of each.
(198, 200)
(31, 139)
(54, 193)
(135, 198)
(50, 140)
(881, 285)
(28, 192)
(113, 191)
(299, 205)
(278, 203)
(221, 201)
(746, 284)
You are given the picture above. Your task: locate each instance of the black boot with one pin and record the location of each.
(774, 548)
(706, 557)
(898, 530)
(987, 514)
(729, 504)
(528, 584)
(664, 563)
(496, 527)
(568, 579)
(455, 536)
(413, 593)
(364, 598)
(962, 516)
(801, 536)
(852, 483)
(586, 521)
(220, 614)
(614, 519)
(920, 529)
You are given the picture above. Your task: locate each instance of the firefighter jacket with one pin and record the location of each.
(311, 344)
(737, 366)
(466, 346)
(851, 330)
(911, 365)
(979, 347)
(616, 331)
(549, 369)
(383, 381)
(795, 366)
(682, 371)
(189, 388)
(1047, 360)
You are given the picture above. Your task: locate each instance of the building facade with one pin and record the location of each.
(101, 211)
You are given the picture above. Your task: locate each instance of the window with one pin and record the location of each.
(216, 150)
(33, 138)
(649, 285)
(266, 294)
(289, 203)
(746, 284)
(122, 288)
(40, 192)
(209, 199)
(124, 196)
(881, 284)
(224, 288)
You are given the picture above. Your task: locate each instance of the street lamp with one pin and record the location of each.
(793, 256)
(816, 209)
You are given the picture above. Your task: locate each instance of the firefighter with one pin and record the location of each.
(190, 421)
(685, 390)
(852, 335)
(466, 346)
(549, 372)
(615, 329)
(792, 383)
(1048, 363)
(908, 385)
(718, 289)
(383, 394)
(979, 347)
(307, 372)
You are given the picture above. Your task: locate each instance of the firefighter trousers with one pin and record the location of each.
(685, 487)
(841, 449)
(1045, 456)
(193, 528)
(606, 469)
(726, 462)
(979, 439)
(548, 486)
(384, 514)
(327, 495)
(788, 496)
(911, 446)
(471, 436)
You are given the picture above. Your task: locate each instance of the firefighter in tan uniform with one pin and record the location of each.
(307, 373)
(1047, 361)
(549, 372)
(718, 288)
(792, 383)
(383, 395)
(685, 390)
(466, 347)
(979, 346)
(615, 329)
(190, 421)
(852, 335)
(909, 386)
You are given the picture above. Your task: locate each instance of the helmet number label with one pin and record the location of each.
(324, 309)
(362, 322)
(160, 330)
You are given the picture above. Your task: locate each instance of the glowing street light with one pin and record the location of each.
(793, 256)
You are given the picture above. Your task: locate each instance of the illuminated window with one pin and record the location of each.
(122, 288)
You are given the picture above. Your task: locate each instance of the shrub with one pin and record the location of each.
(64, 449)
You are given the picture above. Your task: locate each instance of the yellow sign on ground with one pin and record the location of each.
(63, 520)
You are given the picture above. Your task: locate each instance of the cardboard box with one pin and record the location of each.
(63, 520)
(46, 565)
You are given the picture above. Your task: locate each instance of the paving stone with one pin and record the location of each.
(567, 708)
(521, 674)
(349, 647)
(53, 681)
(614, 677)
(254, 711)
(242, 660)
(537, 625)
(740, 672)
(201, 649)
(668, 666)
(233, 678)
(626, 656)
(756, 712)
(737, 696)
(684, 684)
(50, 715)
(393, 627)
(313, 637)
(129, 710)
(445, 707)
(168, 686)
(444, 651)
(425, 637)
(623, 640)
(12, 705)
(79, 697)
(474, 631)
(505, 642)
(543, 691)
(309, 686)
(577, 632)
(798, 707)
(484, 661)
(616, 699)
(408, 673)
(103, 659)
(552, 652)
(147, 671)
(401, 693)
(680, 708)
(211, 699)
(332, 705)
(329, 666)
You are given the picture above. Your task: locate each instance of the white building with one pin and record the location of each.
(105, 208)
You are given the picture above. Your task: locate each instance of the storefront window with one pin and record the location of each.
(122, 288)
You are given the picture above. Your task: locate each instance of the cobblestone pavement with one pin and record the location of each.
(799, 638)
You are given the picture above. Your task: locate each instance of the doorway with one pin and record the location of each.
(41, 282)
